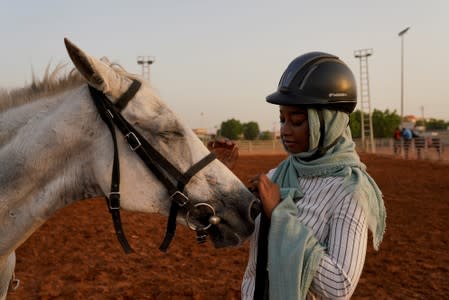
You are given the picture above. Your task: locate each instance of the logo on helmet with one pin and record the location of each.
(333, 95)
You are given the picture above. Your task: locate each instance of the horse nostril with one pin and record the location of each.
(254, 209)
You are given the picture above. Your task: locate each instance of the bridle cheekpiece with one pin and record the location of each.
(173, 180)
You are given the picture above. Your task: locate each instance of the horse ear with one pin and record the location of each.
(95, 72)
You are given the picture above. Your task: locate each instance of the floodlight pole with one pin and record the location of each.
(401, 35)
(364, 98)
(145, 62)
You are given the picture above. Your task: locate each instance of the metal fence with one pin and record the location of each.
(426, 148)
(429, 148)
(259, 146)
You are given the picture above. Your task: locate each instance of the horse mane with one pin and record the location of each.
(53, 82)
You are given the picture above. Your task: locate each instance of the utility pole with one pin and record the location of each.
(366, 120)
(401, 35)
(145, 62)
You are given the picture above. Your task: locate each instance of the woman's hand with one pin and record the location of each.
(268, 192)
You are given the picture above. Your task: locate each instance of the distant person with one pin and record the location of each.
(311, 238)
(436, 143)
(407, 135)
(397, 138)
(420, 143)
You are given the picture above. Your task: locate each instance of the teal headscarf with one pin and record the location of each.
(341, 160)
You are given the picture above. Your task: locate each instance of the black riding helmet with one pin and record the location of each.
(317, 79)
(321, 81)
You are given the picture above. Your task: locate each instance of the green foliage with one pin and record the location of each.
(266, 135)
(251, 130)
(435, 124)
(231, 129)
(384, 123)
(354, 124)
(420, 123)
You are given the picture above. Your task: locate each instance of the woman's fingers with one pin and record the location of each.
(267, 191)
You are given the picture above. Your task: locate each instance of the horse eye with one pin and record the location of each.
(168, 135)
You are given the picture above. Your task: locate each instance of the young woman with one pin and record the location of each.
(319, 203)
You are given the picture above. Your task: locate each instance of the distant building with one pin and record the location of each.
(202, 134)
(410, 118)
(409, 121)
(200, 131)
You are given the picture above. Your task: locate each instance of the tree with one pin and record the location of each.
(420, 123)
(231, 129)
(266, 135)
(251, 130)
(435, 124)
(354, 123)
(384, 123)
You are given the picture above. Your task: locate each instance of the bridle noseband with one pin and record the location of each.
(173, 180)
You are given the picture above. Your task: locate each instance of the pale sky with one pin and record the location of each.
(217, 60)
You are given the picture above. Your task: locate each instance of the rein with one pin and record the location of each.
(173, 180)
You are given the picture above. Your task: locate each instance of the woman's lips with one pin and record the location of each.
(289, 144)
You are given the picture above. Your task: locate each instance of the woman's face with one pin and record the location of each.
(294, 128)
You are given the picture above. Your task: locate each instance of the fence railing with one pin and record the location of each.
(432, 148)
(259, 146)
(429, 148)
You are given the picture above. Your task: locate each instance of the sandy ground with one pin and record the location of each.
(75, 254)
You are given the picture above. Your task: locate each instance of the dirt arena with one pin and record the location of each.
(75, 254)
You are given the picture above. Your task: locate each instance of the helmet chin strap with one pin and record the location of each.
(321, 148)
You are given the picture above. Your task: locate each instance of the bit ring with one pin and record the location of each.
(195, 227)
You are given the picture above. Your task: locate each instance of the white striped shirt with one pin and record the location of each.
(338, 222)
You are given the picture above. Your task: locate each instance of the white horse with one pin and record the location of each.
(55, 149)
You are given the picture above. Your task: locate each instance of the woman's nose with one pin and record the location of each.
(285, 129)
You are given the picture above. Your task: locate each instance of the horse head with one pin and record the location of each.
(218, 201)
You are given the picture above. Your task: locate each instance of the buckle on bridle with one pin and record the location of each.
(133, 141)
(114, 201)
(179, 198)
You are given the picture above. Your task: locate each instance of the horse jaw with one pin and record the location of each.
(140, 190)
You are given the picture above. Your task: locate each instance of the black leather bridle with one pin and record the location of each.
(173, 180)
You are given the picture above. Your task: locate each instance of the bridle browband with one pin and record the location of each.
(173, 180)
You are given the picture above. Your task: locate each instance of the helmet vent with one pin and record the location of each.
(306, 77)
(286, 79)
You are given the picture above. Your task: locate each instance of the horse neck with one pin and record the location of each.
(44, 161)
